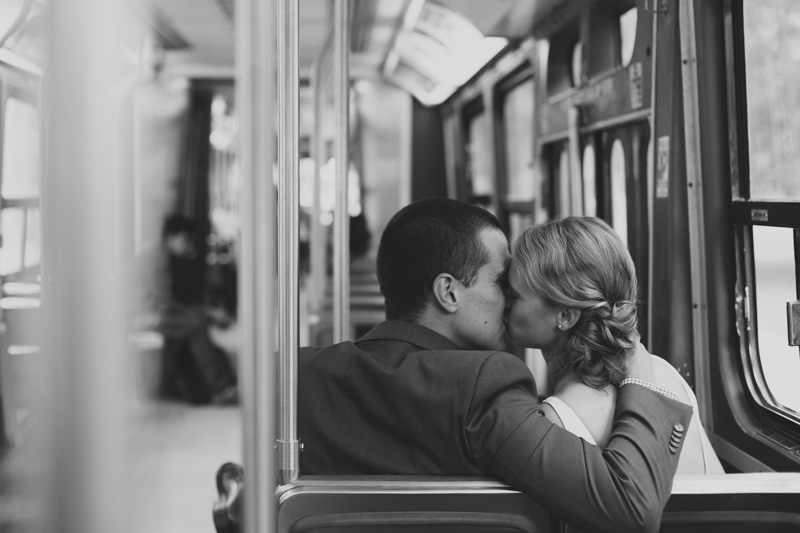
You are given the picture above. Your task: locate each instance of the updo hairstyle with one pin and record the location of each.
(581, 263)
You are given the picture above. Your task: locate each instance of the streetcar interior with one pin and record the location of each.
(671, 120)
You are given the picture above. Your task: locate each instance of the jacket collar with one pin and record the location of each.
(411, 333)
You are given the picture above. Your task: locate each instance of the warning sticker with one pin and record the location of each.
(662, 168)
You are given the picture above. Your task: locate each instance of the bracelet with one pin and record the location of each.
(647, 385)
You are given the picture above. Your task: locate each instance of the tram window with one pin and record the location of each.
(619, 197)
(518, 140)
(564, 59)
(20, 177)
(627, 34)
(589, 182)
(21, 239)
(772, 50)
(771, 38)
(563, 183)
(775, 285)
(478, 158)
(577, 63)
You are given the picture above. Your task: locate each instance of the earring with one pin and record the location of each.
(559, 326)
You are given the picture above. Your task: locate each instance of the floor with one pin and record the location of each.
(176, 453)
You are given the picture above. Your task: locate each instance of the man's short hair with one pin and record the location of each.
(424, 239)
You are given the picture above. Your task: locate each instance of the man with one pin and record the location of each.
(429, 392)
(170, 287)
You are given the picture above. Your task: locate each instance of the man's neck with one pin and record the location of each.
(438, 323)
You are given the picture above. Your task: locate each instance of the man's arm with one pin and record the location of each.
(621, 488)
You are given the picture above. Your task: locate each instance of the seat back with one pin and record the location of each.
(764, 502)
(400, 503)
(767, 502)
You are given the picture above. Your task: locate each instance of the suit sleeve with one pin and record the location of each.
(621, 488)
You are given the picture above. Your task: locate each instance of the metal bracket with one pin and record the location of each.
(793, 322)
(656, 6)
(288, 459)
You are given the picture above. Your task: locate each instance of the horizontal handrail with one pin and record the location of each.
(746, 483)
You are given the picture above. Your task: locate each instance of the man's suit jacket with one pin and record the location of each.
(404, 400)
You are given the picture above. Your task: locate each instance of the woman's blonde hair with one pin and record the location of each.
(581, 263)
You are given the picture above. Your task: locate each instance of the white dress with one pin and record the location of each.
(697, 455)
(571, 421)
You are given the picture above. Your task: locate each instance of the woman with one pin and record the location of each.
(573, 295)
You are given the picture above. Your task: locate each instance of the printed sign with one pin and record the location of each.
(662, 168)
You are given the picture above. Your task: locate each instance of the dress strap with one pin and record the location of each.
(571, 421)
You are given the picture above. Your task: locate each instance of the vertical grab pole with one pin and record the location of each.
(694, 181)
(85, 347)
(318, 236)
(341, 243)
(255, 92)
(316, 252)
(575, 172)
(288, 447)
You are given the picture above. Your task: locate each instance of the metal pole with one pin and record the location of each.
(651, 172)
(255, 92)
(341, 245)
(288, 446)
(694, 181)
(318, 236)
(85, 349)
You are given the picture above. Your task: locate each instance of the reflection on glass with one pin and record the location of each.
(478, 160)
(589, 182)
(775, 285)
(518, 126)
(619, 197)
(21, 161)
(577, 64)
(772, 64)
(627, 35)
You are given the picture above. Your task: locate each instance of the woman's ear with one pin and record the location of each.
(568, 317)
(444, 291)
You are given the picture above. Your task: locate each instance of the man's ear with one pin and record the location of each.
(567, 318)
(444, 291)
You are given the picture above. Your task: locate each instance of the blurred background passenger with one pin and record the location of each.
(573, 295)
(171, 299)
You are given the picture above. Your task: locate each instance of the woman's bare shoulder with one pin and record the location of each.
(551, 414)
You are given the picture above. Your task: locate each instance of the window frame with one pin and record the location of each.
(14, 85)
(746, 214)
(522, 74)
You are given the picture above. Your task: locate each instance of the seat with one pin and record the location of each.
(763, 502)
(406, 503)
(767, 502)
(387, 504)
